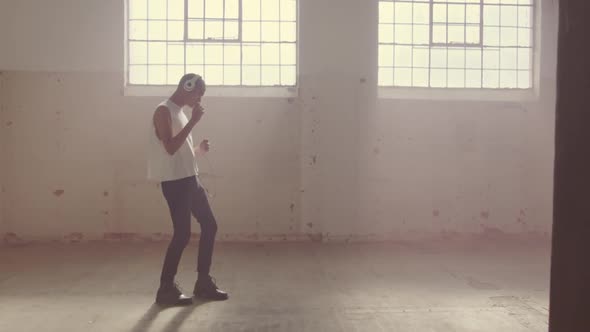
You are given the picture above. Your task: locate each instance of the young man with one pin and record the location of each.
(172, 162)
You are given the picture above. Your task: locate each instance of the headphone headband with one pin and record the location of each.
(191, 84)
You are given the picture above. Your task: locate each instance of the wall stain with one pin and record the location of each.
(59, 192)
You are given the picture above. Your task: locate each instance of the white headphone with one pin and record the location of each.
(191, 84)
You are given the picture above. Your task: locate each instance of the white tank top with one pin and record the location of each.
(163, 166)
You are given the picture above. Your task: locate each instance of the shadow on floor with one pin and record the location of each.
(175, 323)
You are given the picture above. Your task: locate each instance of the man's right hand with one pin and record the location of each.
(197, 113)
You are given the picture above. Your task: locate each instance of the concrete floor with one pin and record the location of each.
(279, 287)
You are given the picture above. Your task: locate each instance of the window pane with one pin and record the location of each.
(196, 29)
(421, 57)
(176, 9)
(472, 35)
(157, 30)
(508, 79)
(403, 12)
(402, 76)
(403, 56)
(231, 30)
(288, 54)
(524, 37)
(213, 9)
(456, 78)
(386, 12)
(491, 15)
(194, 54)
(138, 52)
(251, 31)
(251, 75)
(231, 75)
(473, 78)
(288, 75)
(509, 16)
(214, 74)
(421, 13)
(138, 74)
(270, 31)
(175, 54)
(288, 31)
(438, 78)
(270, 75)
(439, 33)
(213, 30)
(456, 58)
(456, 34)
(491, 59)
(231, 54)
(138, 30)
(491, 79)
(524, 58)
(138, 9)
(403, 34)
(157, 75)
(251, 9)
(491, 36)
(288, 10)
(251, 54)
(439, 13)
(157, 53)
(456, 14)
(157, 10)
(196, 9)
(524, 79)
(270, 54)
(174, 74)
(421, 35)
(438, 58)
(508, 37)
(213, 54)
(473, 14)
(473, 58)
(525, 17)
(232, 9)
(270, 11)
(386, 33)
(385, 76)
(385, 55)
(508, 58)
(176, 30)
(420, 77)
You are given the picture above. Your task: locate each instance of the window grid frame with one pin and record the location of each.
(260, 65)
(481, 47)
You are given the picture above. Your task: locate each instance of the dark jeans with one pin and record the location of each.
(185, 197)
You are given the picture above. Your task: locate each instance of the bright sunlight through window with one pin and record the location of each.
(456, 43)
(229, 42)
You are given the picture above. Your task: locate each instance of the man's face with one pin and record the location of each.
(194, 98)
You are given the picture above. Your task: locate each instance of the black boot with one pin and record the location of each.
(171, 295)
(205, 288)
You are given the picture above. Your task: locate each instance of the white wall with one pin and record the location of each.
(337, 161)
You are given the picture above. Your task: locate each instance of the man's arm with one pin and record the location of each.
(163, 125)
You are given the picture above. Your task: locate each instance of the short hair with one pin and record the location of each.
(188, 77)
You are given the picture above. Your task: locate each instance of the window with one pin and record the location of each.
(456, 43)
(229, 42)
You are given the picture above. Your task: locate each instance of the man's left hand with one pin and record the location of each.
(205, 146)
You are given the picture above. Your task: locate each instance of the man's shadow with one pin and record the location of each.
(175, 323)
